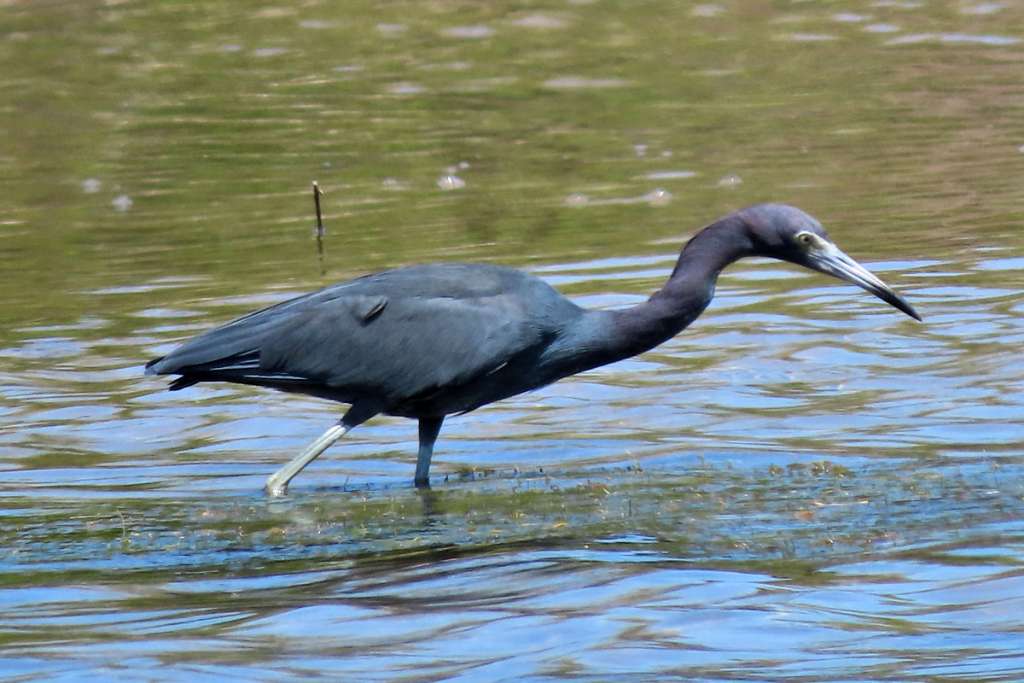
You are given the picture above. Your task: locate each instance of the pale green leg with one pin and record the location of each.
(277, 483)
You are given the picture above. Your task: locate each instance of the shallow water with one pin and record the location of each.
(805, 485)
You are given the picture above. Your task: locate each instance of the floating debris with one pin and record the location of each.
(731, 180)
(450, 182)
(91, 185)
(122, 202)
(658, 197)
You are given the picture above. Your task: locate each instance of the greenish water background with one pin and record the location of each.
(802, 486)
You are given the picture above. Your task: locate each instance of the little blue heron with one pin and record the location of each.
(429, 341)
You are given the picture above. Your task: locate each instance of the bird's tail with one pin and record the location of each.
(183, 382)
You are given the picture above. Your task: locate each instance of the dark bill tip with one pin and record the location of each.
(833, 261)
(896, 301)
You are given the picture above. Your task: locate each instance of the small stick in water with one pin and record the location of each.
(317, 193)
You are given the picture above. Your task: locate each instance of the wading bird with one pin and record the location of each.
(434, 340)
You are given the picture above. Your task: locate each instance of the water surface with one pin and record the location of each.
(805, 485)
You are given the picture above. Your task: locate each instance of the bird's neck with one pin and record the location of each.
(711, 250)
(688, 290)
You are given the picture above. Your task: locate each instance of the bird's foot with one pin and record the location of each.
(274, 489)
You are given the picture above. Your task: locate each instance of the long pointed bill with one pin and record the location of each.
(830, 259)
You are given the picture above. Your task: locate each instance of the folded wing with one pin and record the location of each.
(389, 346)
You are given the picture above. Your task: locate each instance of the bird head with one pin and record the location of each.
(787, 233)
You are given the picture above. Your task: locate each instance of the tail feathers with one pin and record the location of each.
(234, 347)
(228, 369)
(255, 378)
(183, 382)
(243, 368)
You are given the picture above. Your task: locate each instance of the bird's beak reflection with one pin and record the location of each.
(828, 258)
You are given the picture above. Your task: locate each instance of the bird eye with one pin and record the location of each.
(805, 238)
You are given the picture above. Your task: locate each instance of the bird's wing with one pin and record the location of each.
(392, 347)
(403, 347)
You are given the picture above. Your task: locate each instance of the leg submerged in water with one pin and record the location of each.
(429, 429)
(277, 483)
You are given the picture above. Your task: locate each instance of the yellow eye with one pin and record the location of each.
(805, 238)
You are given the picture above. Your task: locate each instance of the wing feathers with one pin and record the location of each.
(411, 347)
(394, 335)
